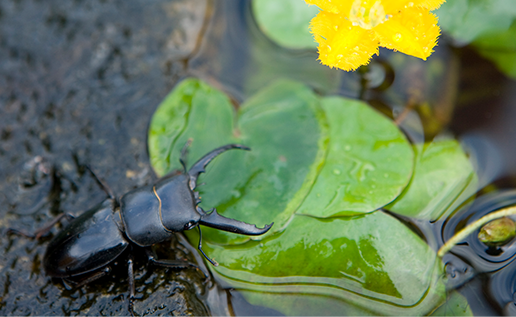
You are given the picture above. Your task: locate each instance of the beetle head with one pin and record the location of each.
(177, 204)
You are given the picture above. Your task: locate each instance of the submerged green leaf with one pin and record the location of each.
(286, 22)
(368, 164)
(455, 305)
(371, 264)
(443, 179)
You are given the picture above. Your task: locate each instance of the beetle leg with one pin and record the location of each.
(175, 264)
(89, 278)
(202, 252)
(41, 231)
(130, 273)
(200, 165)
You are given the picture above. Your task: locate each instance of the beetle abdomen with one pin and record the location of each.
(89, 242)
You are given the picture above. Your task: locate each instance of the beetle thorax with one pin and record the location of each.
(152, 213)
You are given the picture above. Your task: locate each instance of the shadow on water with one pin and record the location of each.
(79, 81)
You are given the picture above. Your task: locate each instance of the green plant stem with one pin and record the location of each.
(474, 226)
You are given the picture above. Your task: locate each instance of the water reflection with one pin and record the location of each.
(473, 258)
(482, 257)
(238, 57)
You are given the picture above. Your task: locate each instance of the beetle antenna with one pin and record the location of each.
(184, 154)
(200, 166)
(202, 252)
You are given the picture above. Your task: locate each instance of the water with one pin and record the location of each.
(77, 78)
(471, 100)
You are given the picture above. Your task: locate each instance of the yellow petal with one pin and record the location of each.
(335, 6)
(341, 44)
(393, 7)
(414, 32)
(326, 24)
(430, 4)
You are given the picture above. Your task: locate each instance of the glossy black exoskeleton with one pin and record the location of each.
(144, 216)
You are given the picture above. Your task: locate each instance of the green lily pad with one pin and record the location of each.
(455, 305)
(308, 263)
(443, 179)
(370, 265)
(489, 25)
(178, 114)
(500, 47)
(466, 20)
(286, 22)
(368, 165)
(296, 165)
(283, 125)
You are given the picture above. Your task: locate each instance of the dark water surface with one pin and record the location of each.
(79, 81)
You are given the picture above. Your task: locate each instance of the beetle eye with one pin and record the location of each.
(189, 225)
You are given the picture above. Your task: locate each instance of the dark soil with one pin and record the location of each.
(79, 82)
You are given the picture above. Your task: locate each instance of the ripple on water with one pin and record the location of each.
(497, 262)
(482, 258)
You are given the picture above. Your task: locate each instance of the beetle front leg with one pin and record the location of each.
(202, 251)
(175, 264)
(130, 273)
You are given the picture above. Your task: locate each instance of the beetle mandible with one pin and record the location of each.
(85, 247)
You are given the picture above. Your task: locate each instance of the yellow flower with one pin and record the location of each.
(349, 32)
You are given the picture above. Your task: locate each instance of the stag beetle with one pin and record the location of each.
(85, 247)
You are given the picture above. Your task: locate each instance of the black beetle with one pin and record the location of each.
(144, 216)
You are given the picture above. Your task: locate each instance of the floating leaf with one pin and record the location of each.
(489, 25)
(455, 305)
(443, 179)
(370, 265)
(182, 111)
(286, 22)
(367, 264)
(500, 47)
(283, 125)
(368, 164)
(466, 20)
